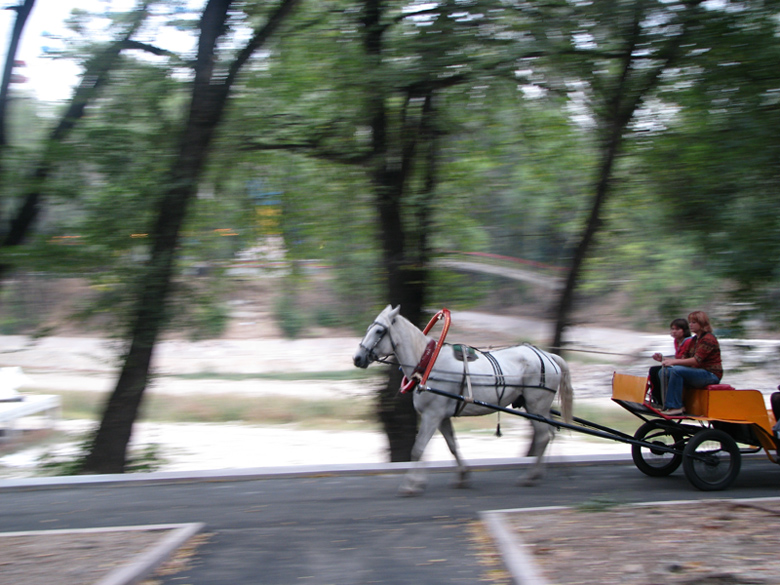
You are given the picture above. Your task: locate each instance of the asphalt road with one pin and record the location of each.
(343, 527)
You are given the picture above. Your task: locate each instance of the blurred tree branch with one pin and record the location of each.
(617, 98)
(209, 95)
(96, 74)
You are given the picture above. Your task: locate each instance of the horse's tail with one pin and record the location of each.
(565, 389)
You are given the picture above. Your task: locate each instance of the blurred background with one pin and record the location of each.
(198, 170)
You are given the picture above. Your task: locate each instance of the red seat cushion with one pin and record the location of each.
(720, 387)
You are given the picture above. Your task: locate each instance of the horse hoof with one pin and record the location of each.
(408, 492)
(528, 481)
(463, 482)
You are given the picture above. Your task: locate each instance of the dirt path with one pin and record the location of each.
(686, 543)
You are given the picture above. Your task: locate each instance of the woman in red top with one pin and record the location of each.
(681, 335)
(700, 367)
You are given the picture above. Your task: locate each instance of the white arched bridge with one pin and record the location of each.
(504, 266)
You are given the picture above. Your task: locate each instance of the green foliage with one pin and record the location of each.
(206, 317)
(26, 301)
(457, 290)
(719, 155)
(289, 316)
(692, 222)
(145, 459)
(326, 317)
(15, 321)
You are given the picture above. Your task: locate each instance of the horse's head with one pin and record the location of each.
(377, 343)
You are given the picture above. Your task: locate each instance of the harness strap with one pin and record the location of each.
(500, 381)
(539, 354)
(470, 395)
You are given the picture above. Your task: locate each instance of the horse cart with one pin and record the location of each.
(720, 425)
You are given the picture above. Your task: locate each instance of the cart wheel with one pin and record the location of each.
(654, 462)
(711, 460)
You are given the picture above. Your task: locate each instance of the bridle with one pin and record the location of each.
(370, 353)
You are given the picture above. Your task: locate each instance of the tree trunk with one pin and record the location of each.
(22, 13)
(405, 251)
(405, 256)
(619, 111)
(211, 87)
(396, 411)
(566, 299)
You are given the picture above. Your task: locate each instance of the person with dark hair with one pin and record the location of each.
(700, 367)
(681, 335)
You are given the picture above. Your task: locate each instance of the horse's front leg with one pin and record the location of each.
(541, 437)
(449, 435)
(414, 481)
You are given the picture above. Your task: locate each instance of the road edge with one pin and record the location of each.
(288, 472)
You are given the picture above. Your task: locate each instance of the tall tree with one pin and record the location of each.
(214, 79)
(450, 41)
(410, 57)
(22, 13)
(620, 50)
(392, 157)
(97, 72)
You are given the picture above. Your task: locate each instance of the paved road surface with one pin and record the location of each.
(343, 528)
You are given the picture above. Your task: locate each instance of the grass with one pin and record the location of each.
(335, 414)
(355, 413)
(353, 374)
(611, 415)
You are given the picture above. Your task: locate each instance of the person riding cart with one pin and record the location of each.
(700, 368)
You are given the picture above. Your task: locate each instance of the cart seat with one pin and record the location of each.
(634, 389)
(719, 387)
(724, 402)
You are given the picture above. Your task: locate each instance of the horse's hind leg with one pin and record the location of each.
(449, 435)
(541, 437)
(414, 481)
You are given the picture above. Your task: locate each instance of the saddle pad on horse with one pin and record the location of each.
(459, 350)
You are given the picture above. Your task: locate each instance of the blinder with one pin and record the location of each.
(372, 357)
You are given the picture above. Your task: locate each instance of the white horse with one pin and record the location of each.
(500, 377)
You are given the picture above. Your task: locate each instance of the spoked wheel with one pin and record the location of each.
(711, 460)
(655, 462)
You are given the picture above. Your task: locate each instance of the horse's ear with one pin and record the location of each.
(394, 312)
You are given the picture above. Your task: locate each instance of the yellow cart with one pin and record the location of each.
(721, 423)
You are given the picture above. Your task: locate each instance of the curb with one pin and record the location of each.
(517, 561)
(143, 564)
(289, 472)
